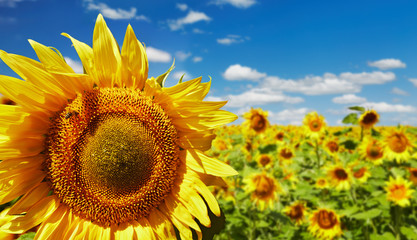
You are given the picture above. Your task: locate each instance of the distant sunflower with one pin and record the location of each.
(397, 145)
(280, 136)
(331, 146)
(265, 160)
(286, 153)
(263, 188)
(368, 119)
(257, 120)
(413, 175)
(108, 154)
(398, 191)
(322, 183)
(297, 212)
(314, 125)
(325, 224)
(372, 150)
(339, 177)
(360, 172)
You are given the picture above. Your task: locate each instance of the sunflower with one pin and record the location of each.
(397, 145)
(107, 154)
(286, 153)
(360, 172)
(325, 224)
(398, 191)
(372, 150)
(368, 119)
(331, 146)
(314, 125)
(257, 120)
(263, 188)
(413, 175)
(264, 160)
(322, 183)
(339, 177)
(296, 212)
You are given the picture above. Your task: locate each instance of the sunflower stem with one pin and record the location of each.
(361, 133)
(397, 221)
(317, 154)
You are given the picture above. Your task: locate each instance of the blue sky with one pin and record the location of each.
(287, 57)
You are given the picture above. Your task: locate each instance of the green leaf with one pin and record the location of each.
(357, 108)
(351, 119)
(349, 144)
(375, 133)
(409, 232)
(27, 236)
(385, 236)
(342, 132)
(373, 213)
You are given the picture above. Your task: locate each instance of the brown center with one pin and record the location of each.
(326, 219)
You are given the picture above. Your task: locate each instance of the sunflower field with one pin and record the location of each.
(318, 182)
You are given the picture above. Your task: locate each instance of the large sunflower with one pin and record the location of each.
(107, 154)
(397, 145)
(398, 191)
(314, 125)
(325, 224)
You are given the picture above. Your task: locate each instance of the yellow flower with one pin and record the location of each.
(398, 191)
(285, 153)
(325, 224)
(331, 146)
(322, 183)
(296, 212)
(371, 150)
(413, 175)
(339, 177)
(314, 125)
(256, 119)
(264, 189)
(360, 172)
(397, 145)
(264, 160)
(368, 119)
(108, 154)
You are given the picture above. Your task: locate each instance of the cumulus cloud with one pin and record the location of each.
(192, 17)
(238, 72)
(386, 107)
(157, 55)
(413, 81)
(197, 59)
(388, 63)
(75, 65)
(114, 13)
(235, 3)
(182, 6)
(260, 96)
(230, 39)
(375, 77)
(182, 56)
(398, 91)
(348, 99)
(312, 85)
(289, 116)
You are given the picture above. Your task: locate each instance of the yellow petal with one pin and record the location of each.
(50, 226)
(200, 162)
(21, 148)
(16, 185)
(195, 205)
(107, 57)
(208, 196)
(124, 231)
(134, 61)
(50, 59)
(179, 211)
(161, 225)
(28, 95)
(86, 55)
(30, 198)
(35, 215)
(182, 89)
(143, 229)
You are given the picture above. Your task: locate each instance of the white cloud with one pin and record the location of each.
(182, 6)
(386, 107)
(156, 55)
(230, 39)
(237, 72)
(289, 116)
(182, 56)
(348, 99)
(398, 91)
(113, 13)
(388, 63)
(197, 59)
(198, 31)
(9, 3)
(75, 65)
(192, 17)
(368, 77)
(235, 3)
(312, 85)
(413, 81)
(260, 96)
(178, 74)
